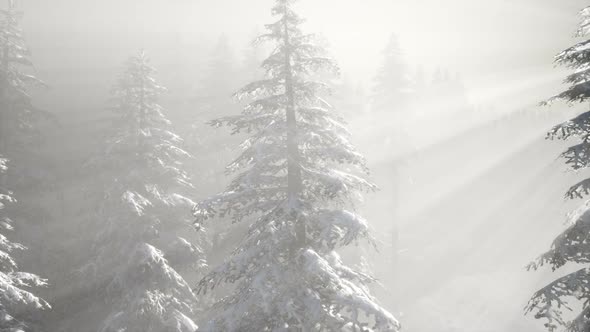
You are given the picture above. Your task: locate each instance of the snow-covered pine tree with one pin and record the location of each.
(393, 104)
(140, 211)
(17, 303)
(571, 246)
(392, 84)
(219, 80)
(286, 272)
(17, 113)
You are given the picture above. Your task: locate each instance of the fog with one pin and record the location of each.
(470, 191)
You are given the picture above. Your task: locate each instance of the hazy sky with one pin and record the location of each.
(496, 45)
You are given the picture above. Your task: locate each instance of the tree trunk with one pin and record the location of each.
(293, 158)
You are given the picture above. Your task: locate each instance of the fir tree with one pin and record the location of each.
(392, 85)
(214, 99)
(393, 103)
(142, 198)
(286, 272)
(17, 303)
(17, 113)
(20, 121)
(219, 80)
(571, 246)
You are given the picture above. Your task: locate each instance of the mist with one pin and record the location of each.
(430, 134)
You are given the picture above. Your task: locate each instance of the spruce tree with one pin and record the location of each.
(18, 305)
(17, 113)
(139, 215)
(391, 105)
(571, 292)
(213, 99)
(297, 174)
(218, 81)
(392, 84)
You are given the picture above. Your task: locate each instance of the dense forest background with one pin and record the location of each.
(442, 98)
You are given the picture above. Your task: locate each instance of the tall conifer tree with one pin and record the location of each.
(572, 246)
(17, 113)
(140, 207)
(392, 84)
(17, 302)
(297, 174)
